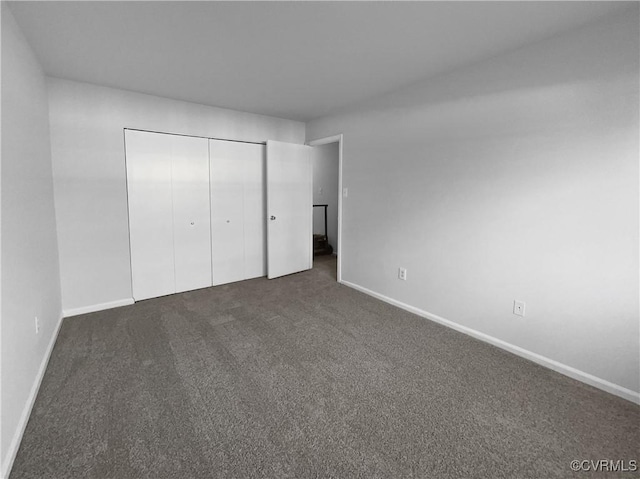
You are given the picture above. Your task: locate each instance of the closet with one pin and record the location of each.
(198, 211)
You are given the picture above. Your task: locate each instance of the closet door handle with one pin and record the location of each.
(272, 218)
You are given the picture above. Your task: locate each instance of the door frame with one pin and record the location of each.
(339, 138)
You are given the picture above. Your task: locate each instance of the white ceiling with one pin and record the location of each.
(297, 60)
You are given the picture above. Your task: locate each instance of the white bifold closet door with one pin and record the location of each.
(169, 213)
(290, 208)
(238, 237)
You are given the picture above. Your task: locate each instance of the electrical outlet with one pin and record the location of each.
(345, 192)
(518, 307)
(37, 325)
(402, 274)
(321, 191)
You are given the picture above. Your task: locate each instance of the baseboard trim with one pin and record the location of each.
(31, 399)
(97, 307)
(574, 373)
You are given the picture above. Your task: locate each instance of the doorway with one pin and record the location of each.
(327, 200)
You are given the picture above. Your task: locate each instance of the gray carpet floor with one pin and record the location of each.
(301, 377)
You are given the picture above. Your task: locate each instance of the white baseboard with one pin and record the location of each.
(26, 411)
(574, 373)
(97, 307)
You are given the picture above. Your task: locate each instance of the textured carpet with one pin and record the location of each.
(301, 377)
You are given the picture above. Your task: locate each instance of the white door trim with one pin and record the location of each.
(323, 141)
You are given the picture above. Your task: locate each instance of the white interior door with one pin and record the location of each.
(227, 211)
(238, 245)
(255, 228)
(148, 158)
(169, 220)
(191, 218)
(289, 209)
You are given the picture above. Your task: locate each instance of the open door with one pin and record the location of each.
(289, 209)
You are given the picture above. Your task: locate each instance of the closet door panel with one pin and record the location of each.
(255, 239)
(148, 161)
(191, 215)
(227, 211)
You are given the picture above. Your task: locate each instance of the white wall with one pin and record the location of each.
(30, 276)
(325, 190)
(515, 178)
(87, 147)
